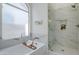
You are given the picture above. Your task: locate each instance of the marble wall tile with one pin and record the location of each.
(65, 41)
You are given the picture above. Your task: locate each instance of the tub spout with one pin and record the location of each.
(32, 46)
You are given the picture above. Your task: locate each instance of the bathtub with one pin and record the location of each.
(20, 49)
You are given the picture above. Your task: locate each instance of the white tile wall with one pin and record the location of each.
(67, 39)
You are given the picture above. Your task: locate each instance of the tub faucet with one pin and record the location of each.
(34, 40)
(32, 46)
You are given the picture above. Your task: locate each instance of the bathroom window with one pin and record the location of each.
(15, 20)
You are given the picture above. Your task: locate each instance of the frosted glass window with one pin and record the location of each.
(15, 19)
(14, 15)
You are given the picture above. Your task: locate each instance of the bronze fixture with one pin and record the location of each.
(77, 25)
(62, 50)
(74, 5)
(63, 26)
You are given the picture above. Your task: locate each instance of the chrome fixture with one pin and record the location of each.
(32, 46)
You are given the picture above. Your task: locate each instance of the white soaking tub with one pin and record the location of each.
(20, 49)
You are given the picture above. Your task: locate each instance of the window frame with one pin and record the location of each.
(29, 18)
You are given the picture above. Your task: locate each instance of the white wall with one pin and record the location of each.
(40, 13)
(0, 20)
